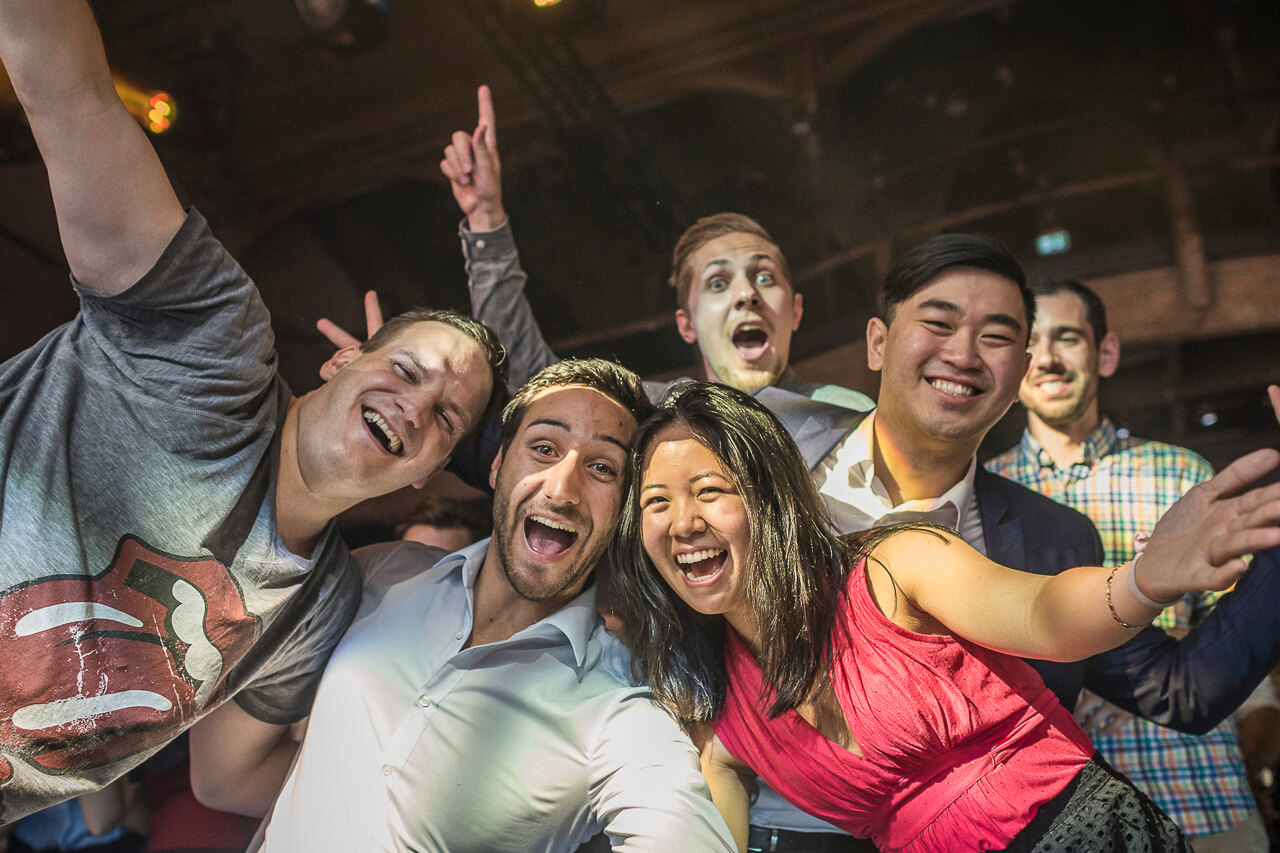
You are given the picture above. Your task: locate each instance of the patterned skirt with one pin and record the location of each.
(1100, 811)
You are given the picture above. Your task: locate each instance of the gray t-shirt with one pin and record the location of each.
(142, 580)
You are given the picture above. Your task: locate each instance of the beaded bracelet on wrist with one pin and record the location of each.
(1111, 604)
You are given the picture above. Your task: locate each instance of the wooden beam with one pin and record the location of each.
(1148, 306)
(1188, 239)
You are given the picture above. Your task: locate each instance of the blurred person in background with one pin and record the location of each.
(447, 523)
(1072, 453)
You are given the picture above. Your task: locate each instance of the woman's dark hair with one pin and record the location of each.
(796, 569)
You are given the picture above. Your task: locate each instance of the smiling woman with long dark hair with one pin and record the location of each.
(875, 676)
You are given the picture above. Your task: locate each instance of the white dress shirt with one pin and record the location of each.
(535, 743)
(857, 499)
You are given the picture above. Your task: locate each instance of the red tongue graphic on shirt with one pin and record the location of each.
(548, 541)
(96, 668)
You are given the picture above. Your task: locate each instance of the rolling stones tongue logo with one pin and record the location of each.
(98, 668)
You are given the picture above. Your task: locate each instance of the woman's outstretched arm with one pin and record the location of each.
(938, 584)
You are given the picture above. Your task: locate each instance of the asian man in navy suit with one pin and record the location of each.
(950, 344)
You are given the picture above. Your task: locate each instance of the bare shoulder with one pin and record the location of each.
(907, 570)
(904, 547)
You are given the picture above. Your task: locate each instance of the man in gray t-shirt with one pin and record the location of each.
(165, 502)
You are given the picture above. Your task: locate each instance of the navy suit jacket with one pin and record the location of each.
(1190, 684)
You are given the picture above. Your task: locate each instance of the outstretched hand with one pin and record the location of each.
(1200, 542)
(340, 337)
(471, 164)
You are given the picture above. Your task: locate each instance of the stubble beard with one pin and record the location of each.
(1066, 411)
(507, 528)
(746, 378)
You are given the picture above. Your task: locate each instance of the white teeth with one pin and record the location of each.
(955, 389)
(749, 327)
(393, 440)
(556, 525)
(698, 556)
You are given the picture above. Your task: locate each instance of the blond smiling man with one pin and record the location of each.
(165, 535)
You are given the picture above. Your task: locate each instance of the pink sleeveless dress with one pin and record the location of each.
(960, 744)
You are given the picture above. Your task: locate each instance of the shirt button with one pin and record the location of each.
(387, 770)
(424, 701)
(480, 244)
(458, 636)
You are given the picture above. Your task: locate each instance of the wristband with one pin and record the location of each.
(1139, 594)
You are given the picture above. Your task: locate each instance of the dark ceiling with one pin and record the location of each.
(1148, 130)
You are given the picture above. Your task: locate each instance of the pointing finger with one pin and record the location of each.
(372, 312)
(484, 99)
(337, 335)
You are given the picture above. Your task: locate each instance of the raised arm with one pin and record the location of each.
(115, 207)
(494, 274)
(1198, 544)
(474, 170)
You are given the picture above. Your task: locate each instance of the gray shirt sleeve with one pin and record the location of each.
(298, 643)
(194, 337)
(497, 284)
(193, 331)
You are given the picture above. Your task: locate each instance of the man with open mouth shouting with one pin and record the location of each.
(481, 704)
(733, 286)
(165, 502)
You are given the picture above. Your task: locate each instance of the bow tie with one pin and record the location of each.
(946, 515)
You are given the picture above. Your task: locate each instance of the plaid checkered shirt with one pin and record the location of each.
(1124, 485)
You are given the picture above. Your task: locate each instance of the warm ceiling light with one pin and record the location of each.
(541, 3)
(154, 110)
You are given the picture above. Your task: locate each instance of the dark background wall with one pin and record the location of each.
(1149, 131)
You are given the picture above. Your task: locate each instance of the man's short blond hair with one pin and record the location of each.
(701, 233)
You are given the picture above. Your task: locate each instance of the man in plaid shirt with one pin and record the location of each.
(1124, 484)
